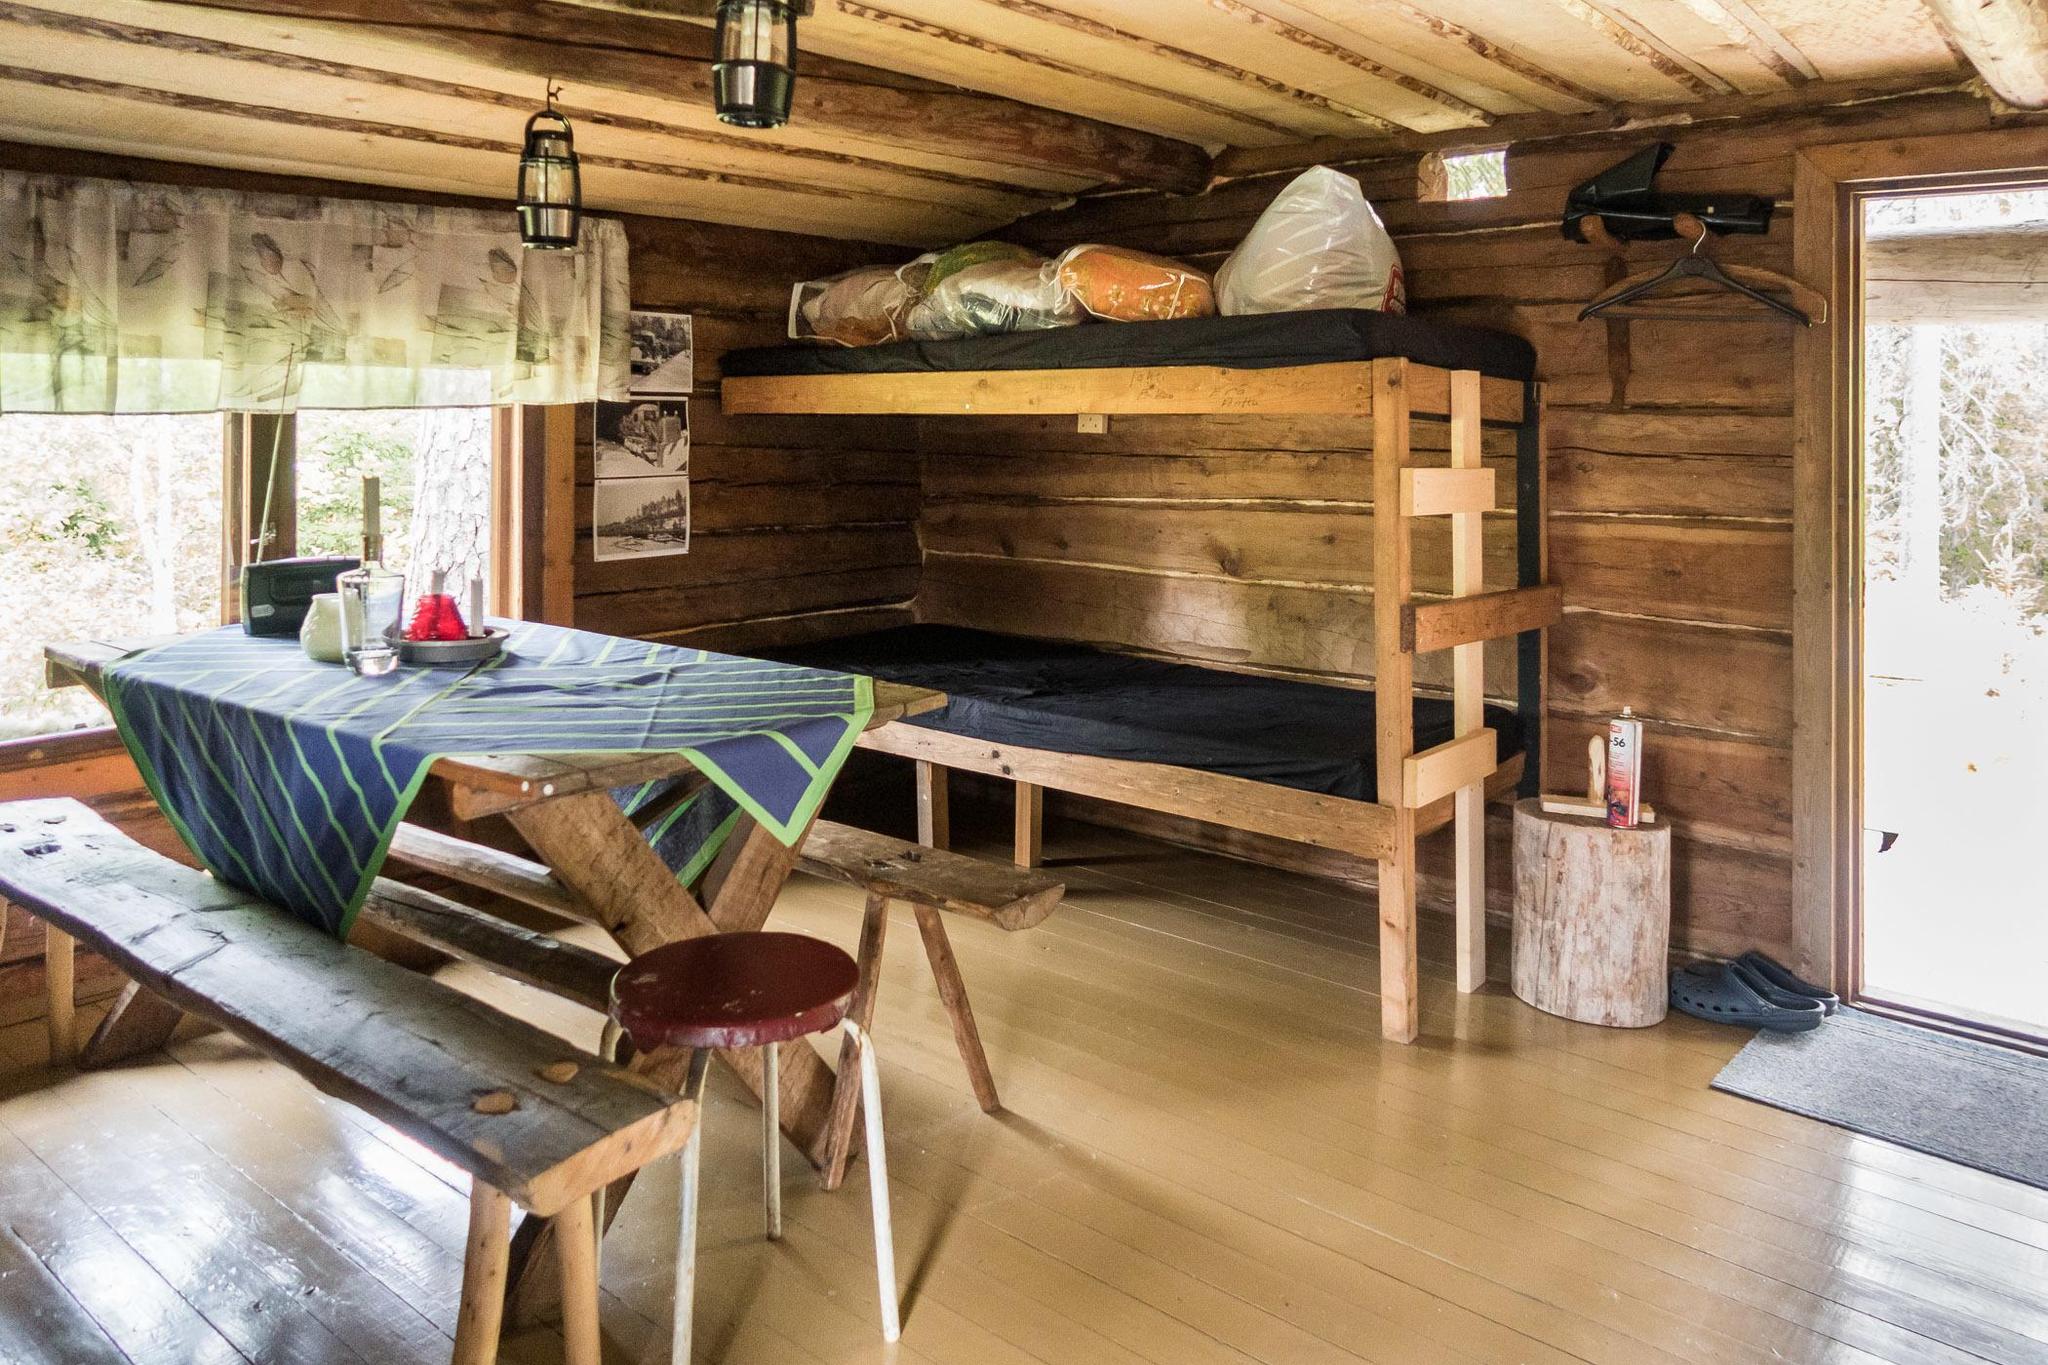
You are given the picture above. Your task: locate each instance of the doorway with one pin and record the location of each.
(1952, 920)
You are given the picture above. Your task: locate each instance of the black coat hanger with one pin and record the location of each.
(1693, 266)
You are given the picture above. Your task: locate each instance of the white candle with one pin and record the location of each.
(476, 608)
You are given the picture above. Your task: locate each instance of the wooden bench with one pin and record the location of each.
(930, 881)
(535, 1122)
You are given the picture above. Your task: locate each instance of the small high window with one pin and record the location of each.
(1476, 175)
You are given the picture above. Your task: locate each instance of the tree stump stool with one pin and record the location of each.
(1592, 918)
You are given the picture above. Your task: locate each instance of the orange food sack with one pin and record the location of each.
(1121, 285)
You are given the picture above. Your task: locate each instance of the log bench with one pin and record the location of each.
(535, 1122)
(930, 881)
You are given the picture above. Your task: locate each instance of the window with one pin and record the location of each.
(113, 528)
(1475, 175)
(132, 526)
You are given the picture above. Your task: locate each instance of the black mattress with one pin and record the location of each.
(1044, 694)
(1257, 342)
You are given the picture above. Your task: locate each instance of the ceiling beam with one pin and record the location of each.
(2006, 40)
(1505, 58)
(1237, 163)
(1464, 111)
(924, 28)
(638, 54)
(1095, 28)
(1637, 41)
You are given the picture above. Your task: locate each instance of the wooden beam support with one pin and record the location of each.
(1468, 688)
(1356, 827)
(636, 53)
(1029, 845)
(1333, 388)
(1455, 621)
(1441, 492)
(1393, 568)
(488, 869)
(1435, 773)
(2006, 40)
(538, 960)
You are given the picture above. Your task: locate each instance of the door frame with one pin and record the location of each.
(1829, 186)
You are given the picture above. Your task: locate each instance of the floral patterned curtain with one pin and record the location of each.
(117, 297)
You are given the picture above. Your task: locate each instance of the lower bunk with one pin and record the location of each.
(1273, 756)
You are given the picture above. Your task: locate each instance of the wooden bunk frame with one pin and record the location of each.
(1418, 791)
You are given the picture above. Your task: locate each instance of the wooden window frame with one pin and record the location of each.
(1831, 185)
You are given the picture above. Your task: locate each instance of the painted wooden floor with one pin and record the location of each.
(1209, 1159)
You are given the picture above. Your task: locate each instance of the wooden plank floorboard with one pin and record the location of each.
(1208, 1159)
(1596, 1128)
(40, 1322)
(1923, 1181)
(1207, 1050)
(1784, 1299)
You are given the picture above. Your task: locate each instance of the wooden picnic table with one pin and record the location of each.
(604, 872)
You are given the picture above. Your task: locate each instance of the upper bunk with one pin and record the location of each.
(1315, 362)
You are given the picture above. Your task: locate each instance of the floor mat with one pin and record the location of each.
(1969, 1102)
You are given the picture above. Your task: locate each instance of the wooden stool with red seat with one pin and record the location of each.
(752, 990)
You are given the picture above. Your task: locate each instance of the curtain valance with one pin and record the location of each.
(118, 297)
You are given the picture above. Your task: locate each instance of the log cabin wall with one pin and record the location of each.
(802, 527)
(1670, 488)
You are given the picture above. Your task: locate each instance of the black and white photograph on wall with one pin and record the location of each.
(663, 354)
(641, 518)
(641, 440)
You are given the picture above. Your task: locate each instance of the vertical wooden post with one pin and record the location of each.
(1030, 837)
(1394, 699)
(576, 1254)
(478, 1320)
(63, 1010)
(1468, 692)
(934, 823)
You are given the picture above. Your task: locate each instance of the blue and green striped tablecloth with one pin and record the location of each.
(288, 777)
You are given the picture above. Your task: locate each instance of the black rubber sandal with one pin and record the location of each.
(1718, 994)
(1782, 978)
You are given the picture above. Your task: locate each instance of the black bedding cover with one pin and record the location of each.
(1257, 342)
(1044, 694)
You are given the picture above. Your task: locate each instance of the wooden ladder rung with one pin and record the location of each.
(1427, 626)
(1435, 773)
(1441, 492)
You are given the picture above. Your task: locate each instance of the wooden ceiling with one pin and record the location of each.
(920, 121)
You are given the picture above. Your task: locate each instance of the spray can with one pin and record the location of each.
(1624, 770)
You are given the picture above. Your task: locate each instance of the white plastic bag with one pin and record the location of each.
(1319, 245)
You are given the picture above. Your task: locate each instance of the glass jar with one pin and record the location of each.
(372, 618)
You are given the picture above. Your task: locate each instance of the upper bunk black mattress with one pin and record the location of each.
(1044, 694)
(1261, 341)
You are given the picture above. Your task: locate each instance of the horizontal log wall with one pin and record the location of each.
(801, 527)
(1244, 542)
(1670, 464)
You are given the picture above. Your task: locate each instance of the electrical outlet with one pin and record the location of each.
(1092, 424)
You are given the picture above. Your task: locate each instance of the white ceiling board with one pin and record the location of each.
(1851, 39)
(93, 119)
(289, 84)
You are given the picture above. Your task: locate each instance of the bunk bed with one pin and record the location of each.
(1176, 738)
